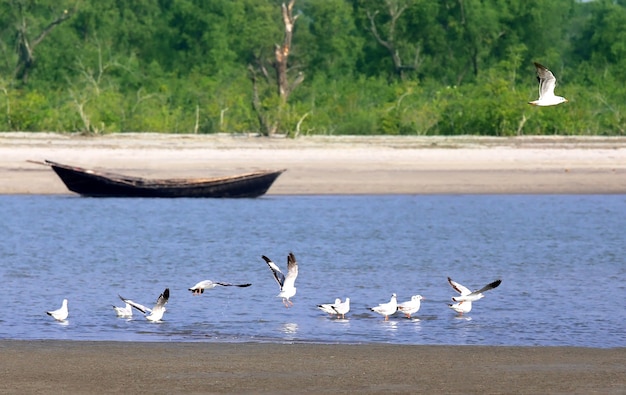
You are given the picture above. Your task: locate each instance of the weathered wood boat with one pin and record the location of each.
(87, 182)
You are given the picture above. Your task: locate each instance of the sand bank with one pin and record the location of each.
(331, 165)
(98, 367)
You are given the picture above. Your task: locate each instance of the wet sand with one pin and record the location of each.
(331, 165)
(115, 367)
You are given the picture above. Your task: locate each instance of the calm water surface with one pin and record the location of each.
(561, 260)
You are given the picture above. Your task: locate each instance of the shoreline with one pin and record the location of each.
(332, 164)
(82, 366)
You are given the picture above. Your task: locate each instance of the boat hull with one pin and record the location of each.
(103, 184)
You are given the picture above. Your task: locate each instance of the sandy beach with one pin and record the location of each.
(318, 165)
(331, 165)
(109, 367)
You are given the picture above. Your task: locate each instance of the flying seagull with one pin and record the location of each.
(411, 306)
(547, 82)
(208, 284)
(61, 313)
(156, 313)
(287, 284)
(387, 309)
(471, 296)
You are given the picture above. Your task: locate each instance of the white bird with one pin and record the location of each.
(461, 307)
(387, 309)
(338, 308)
(547, 82)
(342, 308)
(208, 284)
(61, 313)
(471, 296)
(410, 306)
(328, 307)
(287, 284)
(124, 312)
(156, 313)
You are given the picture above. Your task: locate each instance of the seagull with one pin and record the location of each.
(461, 307)
(287, 284)
(411, 306)
(124, 312)
(387, 309)
(547, 82)
(208, 284)
(471, 296)
(328, 307)
(156, 313)
(61, 313)
(342, 308)
(338, 308)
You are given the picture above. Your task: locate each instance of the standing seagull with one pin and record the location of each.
(547, 82)
(471, 296)
(387, 309)
(208, 284)
(410, 306)
(124, 312)
(156, 313)
(338, 308)
(61, 313)
(461, 307)
(342, 308)
(287, 284)
(329, 307)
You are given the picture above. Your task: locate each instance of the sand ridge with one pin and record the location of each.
(329, 164)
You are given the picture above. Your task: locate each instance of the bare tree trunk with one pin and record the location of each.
(26, 49)
(281, 54)
(280, 65)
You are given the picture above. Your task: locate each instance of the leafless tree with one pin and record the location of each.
(280, 64)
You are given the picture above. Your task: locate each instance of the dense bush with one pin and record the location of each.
(181, 66)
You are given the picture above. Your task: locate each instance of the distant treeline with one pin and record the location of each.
(408, 67)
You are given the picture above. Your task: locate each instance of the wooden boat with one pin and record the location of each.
(87, 182)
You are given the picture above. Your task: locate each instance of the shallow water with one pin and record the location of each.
(560, 258)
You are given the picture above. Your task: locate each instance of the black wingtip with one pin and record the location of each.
(496, 283)
(266, 259)
(243, 285)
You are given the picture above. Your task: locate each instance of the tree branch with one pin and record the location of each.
(66, 15)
